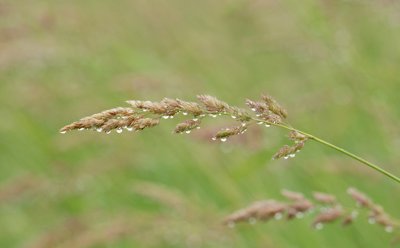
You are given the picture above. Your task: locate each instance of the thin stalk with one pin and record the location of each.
(339, 149)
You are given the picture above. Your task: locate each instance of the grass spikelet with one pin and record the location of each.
(324, 198)
(187, 126)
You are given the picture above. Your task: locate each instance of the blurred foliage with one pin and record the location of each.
(333, 64)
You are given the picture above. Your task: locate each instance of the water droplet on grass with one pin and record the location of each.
(119, 130)
(224, 139)
(63, 132)
(371, 221)
(278, 216)
(184, 113)
(130, 129)
(389, 229)
(188, 131)
(299, 215)
(99, 130)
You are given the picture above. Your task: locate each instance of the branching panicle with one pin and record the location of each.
(267, 112)
(327, 210)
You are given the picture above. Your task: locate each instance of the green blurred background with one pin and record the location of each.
(333, 64)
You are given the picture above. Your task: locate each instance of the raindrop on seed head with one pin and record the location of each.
(99, 130)
(389, 229)
(223, 139)
(119, 130)
(278, 216)
(319, 226)
(188, 131)
(63, 132)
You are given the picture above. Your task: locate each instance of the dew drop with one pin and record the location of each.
(286, 157)
(252, 221)
(278, 216)
(197, 127)
(165, 117)
(319, 226)
(267, 125)
(371, 221)
(108, 132)
(244, 124)
(188, 131)
(260, 123)
(130, 129)
(213, 138)
(299, 215)
(184, 113)
(233, 117)
(63, 132)
(213, 116)
(195, 119)
(292, 155)
(223, 139)
(99, 130)
(119, 130)
(253, 109)
(81, 129)
(389, 229)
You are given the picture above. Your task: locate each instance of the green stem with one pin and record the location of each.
(339, 149)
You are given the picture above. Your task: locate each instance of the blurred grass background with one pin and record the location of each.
(333, 64)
